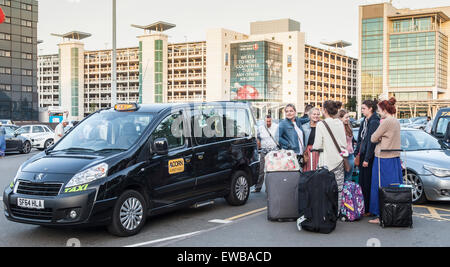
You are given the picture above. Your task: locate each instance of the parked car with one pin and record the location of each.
(357, 123)
(15, 141)
(122, 164)
(405, 122)
(419, 124)
(7, 122)
(41, 136)
(427, 160)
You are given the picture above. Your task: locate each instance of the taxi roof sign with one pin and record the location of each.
(126, 107)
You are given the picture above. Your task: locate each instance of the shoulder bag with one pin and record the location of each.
(347, 166)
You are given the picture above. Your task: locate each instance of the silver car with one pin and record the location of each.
(428, 163)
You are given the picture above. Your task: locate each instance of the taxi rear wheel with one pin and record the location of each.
(240, 189)
(129, 215)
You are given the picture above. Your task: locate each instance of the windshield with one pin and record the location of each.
(419, 140)
(106, 131)
(9, 130)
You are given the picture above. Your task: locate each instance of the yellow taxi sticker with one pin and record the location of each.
(176, 166)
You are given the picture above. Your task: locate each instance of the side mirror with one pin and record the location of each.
(161, 146)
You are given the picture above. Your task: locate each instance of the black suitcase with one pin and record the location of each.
(395, 203)
(318, 201)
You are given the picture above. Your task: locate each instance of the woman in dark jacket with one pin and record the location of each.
(290, 133)
(365, 149)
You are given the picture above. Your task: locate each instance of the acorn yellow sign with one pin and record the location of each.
(176, 166)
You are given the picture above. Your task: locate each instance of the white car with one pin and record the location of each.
(41, 136)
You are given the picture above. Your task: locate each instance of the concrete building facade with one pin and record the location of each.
(404, 53)
(271, 67)
(18, 60)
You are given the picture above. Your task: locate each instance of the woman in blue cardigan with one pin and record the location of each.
(290, 133)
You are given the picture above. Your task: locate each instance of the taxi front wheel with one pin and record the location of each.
(240, 189)
(129, 215)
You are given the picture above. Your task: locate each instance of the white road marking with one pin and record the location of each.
(220, 221)
(163, 239)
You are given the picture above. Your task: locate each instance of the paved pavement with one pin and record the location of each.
(220, 225)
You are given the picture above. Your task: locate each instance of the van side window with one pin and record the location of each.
(238, 123)
(207, 125)
(174, 136)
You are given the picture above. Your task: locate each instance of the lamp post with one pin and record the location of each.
(114, 60)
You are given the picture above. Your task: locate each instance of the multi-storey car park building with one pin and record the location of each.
(272, 66)
(404, 53)
(18, 60)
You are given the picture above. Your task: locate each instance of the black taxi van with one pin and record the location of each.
(120, 165)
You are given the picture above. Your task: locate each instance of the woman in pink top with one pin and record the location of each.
(344, 116)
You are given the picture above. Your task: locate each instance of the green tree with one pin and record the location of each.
(351, 105)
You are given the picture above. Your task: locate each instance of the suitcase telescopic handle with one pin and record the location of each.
(379, 164)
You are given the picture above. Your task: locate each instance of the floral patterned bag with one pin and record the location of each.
(352, 204)
(283, 160)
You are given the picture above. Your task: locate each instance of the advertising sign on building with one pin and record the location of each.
(256, 71)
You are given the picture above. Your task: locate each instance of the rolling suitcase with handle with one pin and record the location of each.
(395, 202)
(282, 173)
(282, 195)
(318, 200)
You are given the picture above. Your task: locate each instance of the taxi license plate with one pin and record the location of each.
(30, 203)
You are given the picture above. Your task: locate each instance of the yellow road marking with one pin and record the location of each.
(433, 213)
(246, 214)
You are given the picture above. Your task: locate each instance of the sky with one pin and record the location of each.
(321, 20)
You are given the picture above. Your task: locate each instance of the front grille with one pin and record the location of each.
(42, 215)
(35, 189)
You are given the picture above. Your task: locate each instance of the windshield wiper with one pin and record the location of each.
(110, 150)
(74, 149)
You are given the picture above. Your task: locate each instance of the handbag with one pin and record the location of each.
(347, 166)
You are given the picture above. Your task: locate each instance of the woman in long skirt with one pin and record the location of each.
(387, 165)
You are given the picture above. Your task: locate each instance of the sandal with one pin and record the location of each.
(375, 221)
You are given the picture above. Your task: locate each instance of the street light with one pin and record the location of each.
(114, 60)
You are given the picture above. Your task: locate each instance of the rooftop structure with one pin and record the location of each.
(73, 35)
(159, 26)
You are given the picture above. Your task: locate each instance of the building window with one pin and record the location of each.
(4, 53)
(159, 71)
(26, 7)
(5, 2)
(26, 23)
(5, 70)
(27, 40)
(27, 56)
(5, 36)
(5, 87)
(27, 89)
(27, 72)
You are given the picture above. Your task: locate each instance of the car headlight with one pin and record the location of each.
(439, 172)
(89, 175)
